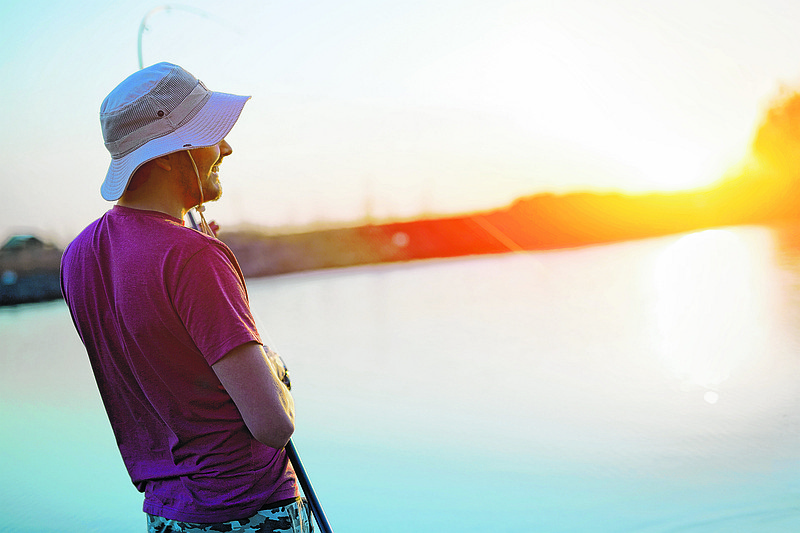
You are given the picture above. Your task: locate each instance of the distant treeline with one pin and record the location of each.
(537, 222)
(29, 267)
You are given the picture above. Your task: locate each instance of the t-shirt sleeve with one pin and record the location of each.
(211, 299)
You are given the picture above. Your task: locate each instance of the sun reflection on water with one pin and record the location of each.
(710, 307)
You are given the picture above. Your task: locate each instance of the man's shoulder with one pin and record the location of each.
(149, 235)
(84, 236)
(210, 248)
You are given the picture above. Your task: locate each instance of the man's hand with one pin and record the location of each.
(252, 379)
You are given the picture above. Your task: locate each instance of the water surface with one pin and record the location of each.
(648, 386)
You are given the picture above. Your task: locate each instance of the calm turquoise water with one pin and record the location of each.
(649, 386)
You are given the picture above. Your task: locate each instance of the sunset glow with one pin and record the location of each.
(376, 109)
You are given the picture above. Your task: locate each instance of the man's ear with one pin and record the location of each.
(163, 162)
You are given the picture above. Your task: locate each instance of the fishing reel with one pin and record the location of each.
(279, 362)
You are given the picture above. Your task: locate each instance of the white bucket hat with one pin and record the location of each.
(156, 111)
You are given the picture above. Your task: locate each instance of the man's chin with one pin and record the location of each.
(214, 195)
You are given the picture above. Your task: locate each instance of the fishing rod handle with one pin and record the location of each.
(308, 489)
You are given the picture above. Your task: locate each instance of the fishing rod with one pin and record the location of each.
(297, 464)
(294, 457)
(308, 489)
(291, 451)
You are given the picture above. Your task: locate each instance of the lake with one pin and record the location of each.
(647, 386)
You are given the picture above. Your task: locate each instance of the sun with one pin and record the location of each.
(667, 167)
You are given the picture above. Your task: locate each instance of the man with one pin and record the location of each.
(198, 407)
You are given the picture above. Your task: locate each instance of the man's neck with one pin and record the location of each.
(143, 204)
(156, 186)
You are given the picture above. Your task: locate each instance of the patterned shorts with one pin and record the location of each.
(291, 518)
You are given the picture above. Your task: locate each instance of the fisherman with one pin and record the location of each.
(200, 409)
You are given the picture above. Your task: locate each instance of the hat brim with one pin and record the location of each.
(208, 127)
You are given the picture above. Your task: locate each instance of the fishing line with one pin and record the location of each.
(291, 452)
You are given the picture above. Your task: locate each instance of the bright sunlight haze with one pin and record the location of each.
(384, 110)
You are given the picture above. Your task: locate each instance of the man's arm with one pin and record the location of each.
(252, 380)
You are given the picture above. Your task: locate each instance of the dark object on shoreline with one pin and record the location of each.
(29, 270)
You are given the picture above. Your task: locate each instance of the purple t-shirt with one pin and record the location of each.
(156, 304)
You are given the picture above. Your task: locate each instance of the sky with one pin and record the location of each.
(390, 109)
